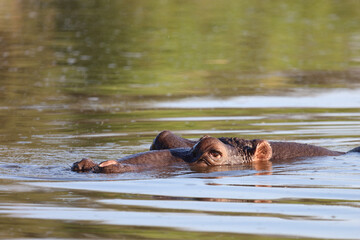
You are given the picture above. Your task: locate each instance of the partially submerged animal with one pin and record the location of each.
(169, 149)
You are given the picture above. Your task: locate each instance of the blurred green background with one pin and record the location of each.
(61, 50)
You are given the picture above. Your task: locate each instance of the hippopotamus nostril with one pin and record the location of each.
(85, 165)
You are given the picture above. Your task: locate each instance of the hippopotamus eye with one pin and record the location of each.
(247, 148)
(215, 154)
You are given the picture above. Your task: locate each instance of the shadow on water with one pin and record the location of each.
(101, 78)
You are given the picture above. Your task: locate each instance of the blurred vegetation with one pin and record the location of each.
(161, 49)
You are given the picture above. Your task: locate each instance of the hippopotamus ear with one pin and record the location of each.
(263, 151)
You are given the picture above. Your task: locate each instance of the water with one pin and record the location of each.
(101, 78)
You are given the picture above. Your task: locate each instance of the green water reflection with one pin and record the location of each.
(132, 49)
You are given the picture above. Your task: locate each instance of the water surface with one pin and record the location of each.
(101, 78)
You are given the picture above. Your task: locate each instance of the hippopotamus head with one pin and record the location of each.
(210, 151)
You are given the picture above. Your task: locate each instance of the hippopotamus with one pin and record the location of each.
(169, 149)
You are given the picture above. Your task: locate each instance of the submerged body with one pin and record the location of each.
(169, 149)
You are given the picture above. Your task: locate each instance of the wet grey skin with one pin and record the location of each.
(169, 149)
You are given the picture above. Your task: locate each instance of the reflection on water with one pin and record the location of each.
(99, 79)
(338, 98)
(180, 220)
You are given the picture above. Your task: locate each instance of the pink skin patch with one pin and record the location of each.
(108, 163)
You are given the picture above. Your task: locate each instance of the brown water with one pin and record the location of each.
(101, 78)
